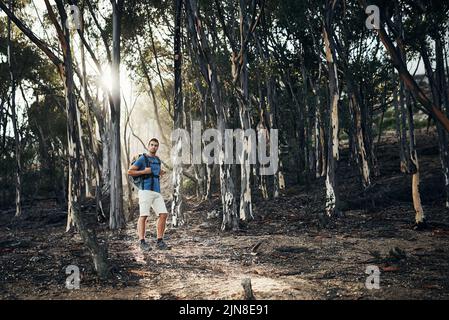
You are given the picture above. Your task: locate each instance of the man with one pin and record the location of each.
(149, 166)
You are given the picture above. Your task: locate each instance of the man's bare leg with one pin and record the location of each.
(141, 227)
(161, 221)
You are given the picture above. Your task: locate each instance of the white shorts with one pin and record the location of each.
(150, 199)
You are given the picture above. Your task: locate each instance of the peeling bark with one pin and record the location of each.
(332, 197)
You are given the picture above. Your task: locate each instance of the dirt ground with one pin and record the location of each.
(285, 251)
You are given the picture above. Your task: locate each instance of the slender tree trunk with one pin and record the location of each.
(359, 141)
(384, 109)
(441, 84)
(176, 210)
(270, 111)
(301, 126)
(246, 210)
(416, 196)
(405, 167)
(402, 101)
(116, 216)
(435, 85)
(105, 138)
(304, 127)
(127, 159)
(84, 149)
(401, 143)
(320, 152)
(261, 180)
(93, 145)
(332, 197)
(367, 124)
(204, 170)
(12, 104)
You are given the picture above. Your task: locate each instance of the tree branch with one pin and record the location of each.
(38, 42)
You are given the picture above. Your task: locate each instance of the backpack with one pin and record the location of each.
(137, 182)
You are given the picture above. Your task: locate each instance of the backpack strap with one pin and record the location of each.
(158, 160)
(153, 176)
(147, 160)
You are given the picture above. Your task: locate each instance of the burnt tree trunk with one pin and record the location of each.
(332, 197)
(176, 210)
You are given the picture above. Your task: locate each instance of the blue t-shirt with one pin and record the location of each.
(155, 165)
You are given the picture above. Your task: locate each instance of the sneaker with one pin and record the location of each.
(161, 245)
(144, 246)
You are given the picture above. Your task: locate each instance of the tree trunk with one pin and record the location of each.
(209, 72)
(271, 106)
(246, 210)
(84, 151)
(319, 136)
(399, 129)
(105, 138)
(405, 167)
(304, 120)
(411, 157)
(205, 170)
(332, 197)
(441, 84)
(416, 196)
(435, 85)
(74, 149)
(116, 216)
(176, 210)
(92, 142)
(359, 141)
(127, 159)
(12, 105)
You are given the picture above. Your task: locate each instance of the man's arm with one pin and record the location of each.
(134, 171)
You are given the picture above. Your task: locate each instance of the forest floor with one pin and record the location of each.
(285, 251)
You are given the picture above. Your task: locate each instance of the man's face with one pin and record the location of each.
(153, 146)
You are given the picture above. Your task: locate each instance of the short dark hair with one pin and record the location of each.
(153, 139)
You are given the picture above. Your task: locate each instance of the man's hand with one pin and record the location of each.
(162, 172)
(146, 171)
